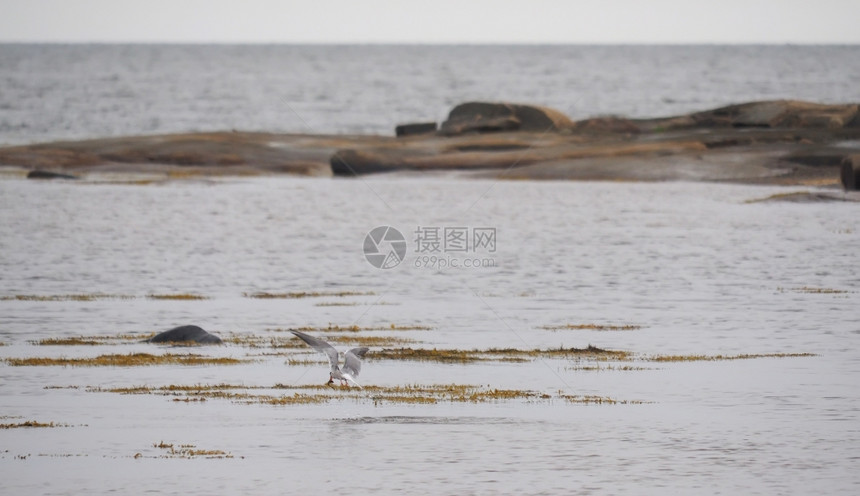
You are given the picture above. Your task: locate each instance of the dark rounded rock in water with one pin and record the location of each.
(185, 334)
(850, 173)
(415, 129)
(43, 174)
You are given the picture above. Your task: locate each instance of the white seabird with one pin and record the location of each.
(351, 359)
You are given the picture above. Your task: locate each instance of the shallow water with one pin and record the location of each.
(699, 269)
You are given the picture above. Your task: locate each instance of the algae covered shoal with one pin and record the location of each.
(294, 395)
(125, 360)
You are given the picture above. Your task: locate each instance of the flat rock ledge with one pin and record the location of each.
(770, 142)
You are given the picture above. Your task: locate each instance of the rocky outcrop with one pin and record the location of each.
(775, 114)
(473, 157)
(483, 117)
(231, 153)
(778, 142)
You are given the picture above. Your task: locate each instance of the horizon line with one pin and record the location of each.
(428, 43)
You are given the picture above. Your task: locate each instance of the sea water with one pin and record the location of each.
(56, 92)
(695, 269)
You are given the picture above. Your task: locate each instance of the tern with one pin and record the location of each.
(351, 359)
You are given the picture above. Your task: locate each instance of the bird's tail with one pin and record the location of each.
(350, 380)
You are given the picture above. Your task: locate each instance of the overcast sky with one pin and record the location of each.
(432, 21)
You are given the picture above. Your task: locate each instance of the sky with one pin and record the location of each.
(431, 21)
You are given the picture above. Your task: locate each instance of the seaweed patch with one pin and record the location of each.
(713, 358)
(93, 340)
(129, 360)
(814, 290)
(175, 450)
(179, 296)
(496, 354)
(377, 395)
(306, 294)
(590, 327)
(66, 297)
(290, 342)
(32, 424)
(356, 328)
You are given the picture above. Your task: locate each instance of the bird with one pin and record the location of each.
(351, 359)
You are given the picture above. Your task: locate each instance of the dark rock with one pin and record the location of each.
(185, 334)
(415, 128)
(43, 174)
(481, 124)
(484, 117)
(850, 173)
(355, 162)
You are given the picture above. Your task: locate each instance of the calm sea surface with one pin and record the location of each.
(696, 268)
(699, 269)
(50, 92)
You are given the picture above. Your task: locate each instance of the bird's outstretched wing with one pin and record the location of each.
(320, 345)
(352, 362)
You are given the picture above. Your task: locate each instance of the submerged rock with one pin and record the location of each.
(43, 174)
(185, 334)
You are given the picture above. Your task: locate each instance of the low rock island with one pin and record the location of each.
(770, 142)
